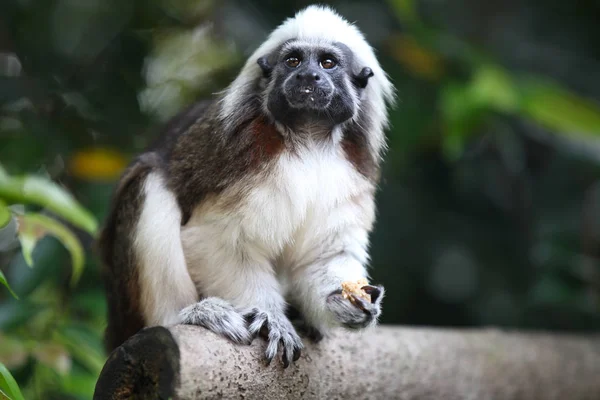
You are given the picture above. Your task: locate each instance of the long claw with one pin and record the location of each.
(285, 359)
(297, 354)
(360, 303)
(373, 291)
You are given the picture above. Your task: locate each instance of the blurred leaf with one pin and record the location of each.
(32, 227)
(50, 256)
(463, 106)
(5, 283)
(10, 125)
(43, 379)
(180, 67)
(5, 214)
(81, 30)
(416, 58)
(406, 10)
(14, 88)
(551, 290)
(97, 164)
(53, 355)
(460, 114)
(8, 385)
(80, 104)
(13, 143)
(16, 313)
(28, 240)
(43, 192)
(80, 343)
(492, 87)
(187, 10)
(79, 383)
(91, 303)
(559, 109)
(13, 351)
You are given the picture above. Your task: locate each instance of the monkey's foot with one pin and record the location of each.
(356, 312)
(278, 331)
(219, 316)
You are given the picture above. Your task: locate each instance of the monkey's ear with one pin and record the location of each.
(265, 66)
(362, 78)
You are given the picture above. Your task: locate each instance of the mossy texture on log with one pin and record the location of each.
(391, 363)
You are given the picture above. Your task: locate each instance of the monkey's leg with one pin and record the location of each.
(243, 276)
(144, 268)
(166, 285)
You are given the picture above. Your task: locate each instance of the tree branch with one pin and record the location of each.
(386, 363)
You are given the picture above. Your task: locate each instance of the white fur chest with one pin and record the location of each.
(300, 191)
(300, 188)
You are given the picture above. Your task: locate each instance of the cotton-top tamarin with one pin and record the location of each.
(258, 200)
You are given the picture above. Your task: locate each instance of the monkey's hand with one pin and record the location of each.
(356, 312)
(219, 316)
(278, 331)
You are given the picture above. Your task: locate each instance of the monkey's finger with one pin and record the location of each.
(258, 323)
(239, 337)
(273, 345)
(264, 332)
(268, 361)
(289, 357)
(251, 315)
(288, 351)
(297, 353)
(373, 291)
(360, 303)
(236, 330)
(285, 359)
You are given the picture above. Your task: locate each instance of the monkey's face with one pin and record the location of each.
(311, 83)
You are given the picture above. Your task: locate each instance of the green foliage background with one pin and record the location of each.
(488, 210)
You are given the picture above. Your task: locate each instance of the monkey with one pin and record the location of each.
(260, 200)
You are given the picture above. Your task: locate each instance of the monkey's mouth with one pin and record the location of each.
(309, 97)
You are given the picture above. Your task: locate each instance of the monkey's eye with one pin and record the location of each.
(328, 63)
(292, 61)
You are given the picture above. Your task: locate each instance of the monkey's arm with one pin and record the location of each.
(328, 261)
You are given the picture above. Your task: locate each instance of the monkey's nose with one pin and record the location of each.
(308, 77)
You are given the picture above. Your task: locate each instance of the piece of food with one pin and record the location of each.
(350, 288)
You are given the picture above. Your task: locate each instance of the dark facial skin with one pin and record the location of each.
(309, 84)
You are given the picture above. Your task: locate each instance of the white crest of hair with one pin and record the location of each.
(319, 25)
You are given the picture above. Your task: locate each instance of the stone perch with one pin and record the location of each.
(187, 362)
